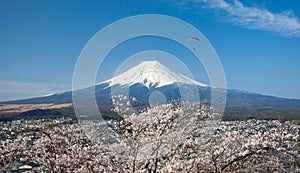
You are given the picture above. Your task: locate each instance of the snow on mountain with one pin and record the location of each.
(51, 94)
(151, 74)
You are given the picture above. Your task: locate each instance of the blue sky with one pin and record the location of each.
(257, 41)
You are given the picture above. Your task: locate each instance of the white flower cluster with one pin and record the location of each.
(122, 104)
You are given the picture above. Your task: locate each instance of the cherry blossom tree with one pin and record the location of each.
(174, 137)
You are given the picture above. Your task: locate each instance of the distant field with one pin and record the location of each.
(261, 113)
(19, 108)
(36, 111)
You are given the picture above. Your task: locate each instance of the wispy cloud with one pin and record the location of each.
(10, 90)
(284, 23)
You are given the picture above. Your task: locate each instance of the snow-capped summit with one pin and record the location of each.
(151, 74)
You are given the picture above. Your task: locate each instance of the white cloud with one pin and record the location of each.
(284, 23)
(10, 90)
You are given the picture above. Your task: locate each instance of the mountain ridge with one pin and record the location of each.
(162, 79)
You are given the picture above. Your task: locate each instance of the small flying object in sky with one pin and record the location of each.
(195, 39)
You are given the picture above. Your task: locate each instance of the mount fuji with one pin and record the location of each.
(148, 77)
(152, 76)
